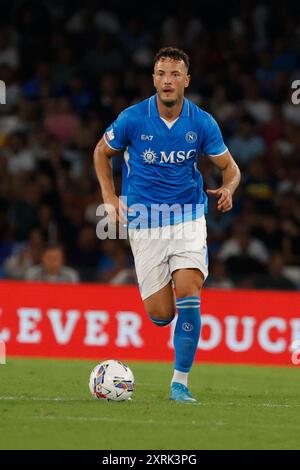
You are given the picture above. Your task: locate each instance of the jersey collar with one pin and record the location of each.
(153, 111)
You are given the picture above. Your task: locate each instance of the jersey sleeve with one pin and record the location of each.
(116, 135)
(213, 143)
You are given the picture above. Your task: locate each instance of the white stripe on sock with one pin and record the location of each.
(188, 306)
(183, 301)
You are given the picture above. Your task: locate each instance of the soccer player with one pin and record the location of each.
(162, 137)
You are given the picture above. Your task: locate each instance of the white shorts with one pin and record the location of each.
(160, 251)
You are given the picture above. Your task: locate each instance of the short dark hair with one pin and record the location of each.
(172, 53)
(52, 246)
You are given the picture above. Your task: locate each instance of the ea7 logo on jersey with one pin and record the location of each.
(146, 137)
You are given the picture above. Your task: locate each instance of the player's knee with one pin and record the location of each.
(188, 290)
(161, 321)
(161, 317)
(189, 285)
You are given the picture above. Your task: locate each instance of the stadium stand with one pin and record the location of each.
(71, 67)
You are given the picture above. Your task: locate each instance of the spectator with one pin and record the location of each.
(269, 232)
(246, 145)
(259, 109)
(20, 158)
(240, 242)
(275, 279)
(218, 277)
(52, 267)
(8, 50)
(63, 88)
(85, 256)
(113, 261)
(61, 122)
(17, 264)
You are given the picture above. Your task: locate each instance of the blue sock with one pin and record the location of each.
(187, 332)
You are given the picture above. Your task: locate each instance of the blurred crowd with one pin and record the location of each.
(71, 67)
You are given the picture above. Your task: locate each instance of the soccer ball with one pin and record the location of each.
(111, 380)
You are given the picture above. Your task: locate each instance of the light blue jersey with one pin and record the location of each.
(160, 164)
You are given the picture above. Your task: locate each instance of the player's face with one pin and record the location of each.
(170, 78)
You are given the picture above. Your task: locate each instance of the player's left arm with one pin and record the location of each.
(231, 179)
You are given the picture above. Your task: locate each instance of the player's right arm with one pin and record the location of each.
(103, 167)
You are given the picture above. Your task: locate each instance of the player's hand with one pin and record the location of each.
(116, 209)
(224, 196)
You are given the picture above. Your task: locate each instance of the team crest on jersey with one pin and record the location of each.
(149, 156)
(191, 137)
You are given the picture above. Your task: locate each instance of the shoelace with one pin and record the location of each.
(183, 388)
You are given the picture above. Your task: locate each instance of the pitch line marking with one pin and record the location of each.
(107, 419)
(137, 421)
(91, 400)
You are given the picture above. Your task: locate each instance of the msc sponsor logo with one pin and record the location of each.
(150, 156)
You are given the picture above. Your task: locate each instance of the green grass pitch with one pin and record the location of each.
(46, 404)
